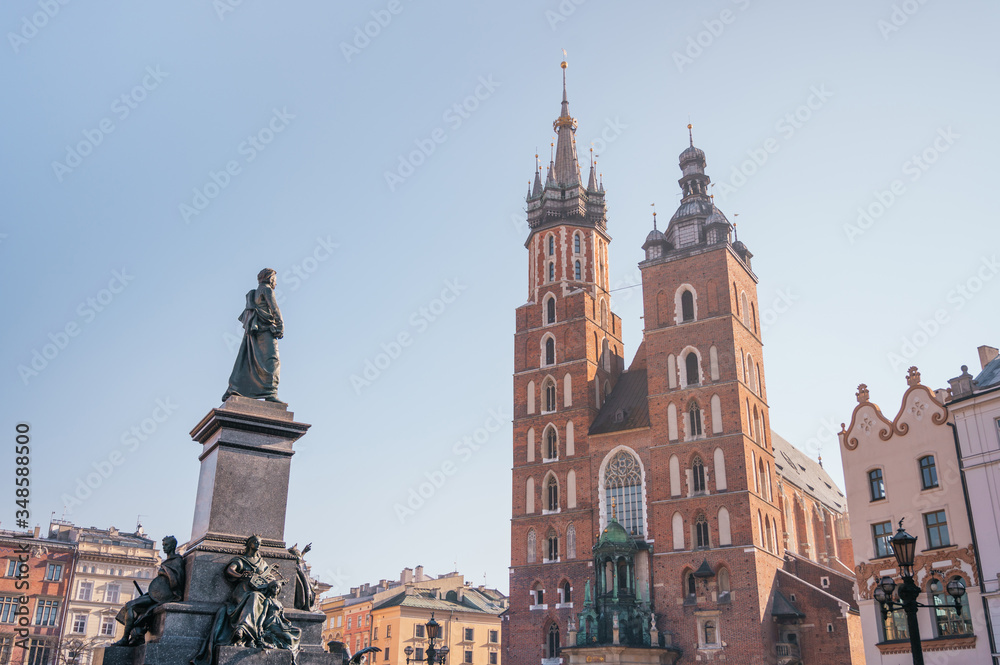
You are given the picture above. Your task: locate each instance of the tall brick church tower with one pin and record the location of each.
(677, 448)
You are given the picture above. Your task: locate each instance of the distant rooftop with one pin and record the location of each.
(807, 474)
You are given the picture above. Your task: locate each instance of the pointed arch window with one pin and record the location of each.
(690, 584)
(552, 271)
(687, 306)
(551, 444)
(567, 592)
(723, 582)
(553, 541)
(698, 475)
(552, 245)
(550, 310)
(576, 243)
(552, 494)
(571, 542)
(552, 643)
(694, 419)
(577, 272)
(691, 367)
(701, 532)
(531, 546)
(550, 351)
(550, 395)
(623, 491)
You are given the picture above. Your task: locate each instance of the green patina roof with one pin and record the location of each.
(614, 533)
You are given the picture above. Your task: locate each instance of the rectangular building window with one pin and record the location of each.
(12, 568)
(881, 533)
(468, 656)
(928, 472)
(86, 591)
(388, 631)
(494, 636)
(876, 484)
(108, 626)
(493, 658)
(112, 593)
(53, 572)
(46, 612)
(386, 653)
(8, 609)
(39, 653)
(419, 654)
(469, 635)
(349, 619)
(375, 633)
(79, 623)
(937, 529)
(418, 631)
(6, 647)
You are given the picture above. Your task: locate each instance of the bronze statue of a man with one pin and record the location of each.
(166, 587)
(255, 373)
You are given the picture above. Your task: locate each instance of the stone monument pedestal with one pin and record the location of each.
(242, 491)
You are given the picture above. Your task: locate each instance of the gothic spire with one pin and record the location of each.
(592, 182)
(567, 169)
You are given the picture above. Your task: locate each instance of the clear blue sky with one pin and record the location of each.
(309, 117)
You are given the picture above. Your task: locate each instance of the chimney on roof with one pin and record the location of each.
(987, 354)
(418, 574)
(38, 530)
(406, 577)
(961, 385)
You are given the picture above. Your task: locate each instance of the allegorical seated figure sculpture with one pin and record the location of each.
(305, 586)
(166, 587)
(255, 373)
(253, 616)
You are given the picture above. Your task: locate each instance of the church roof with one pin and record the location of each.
(807, 474)
(627, 407)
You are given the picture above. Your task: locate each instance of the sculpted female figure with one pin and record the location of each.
(255, 373)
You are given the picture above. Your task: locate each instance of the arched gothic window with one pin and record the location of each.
(691, 365)
(531, 546)
(577, 273)
(690, 583)
(552, 494)
(550, 310)
(697, 475)
(550, 394)
(550, 351)
(553, 540)
(551, 444)
(552, 643)
(624, 492)
(694, 419)
(576, 243)
(723, 581)
(552, 245)
(687, 306)
(571, 542)
(552, 271)
(701, 532)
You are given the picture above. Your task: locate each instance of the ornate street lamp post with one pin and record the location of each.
(433, 656)
(904, 548)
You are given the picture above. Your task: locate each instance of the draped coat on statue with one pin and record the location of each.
(255, 373)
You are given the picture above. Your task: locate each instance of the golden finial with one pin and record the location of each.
(563, 63)
(690, 135)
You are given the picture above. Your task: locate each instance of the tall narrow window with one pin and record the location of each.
(690, 584)
(624, 492)
(687, 306)
(928, 472)
(577, 272)
(550, 351)
(701, 532)
(876, 485)
(698, 475)
(552, 492)
(552, 644)
(937, 529)
(694, 419)
(550, 310)
(531, 546)
(550, 395)
(552, 245)
(553, 546)
(551, 443)
(949, 621)
(691, 365)
(552, 271)
(567, 593)
(576, 243)
(571, 542)
(881, 534)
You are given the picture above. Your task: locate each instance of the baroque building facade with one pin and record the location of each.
(676, 447)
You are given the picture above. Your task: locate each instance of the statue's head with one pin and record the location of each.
(253, 544)
(169, 545)
(272, 589)
(267, 276)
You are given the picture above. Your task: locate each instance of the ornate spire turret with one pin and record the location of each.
(592, 181)
(567, 171)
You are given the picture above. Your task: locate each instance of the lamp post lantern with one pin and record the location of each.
(904, 549)
(432, 656)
